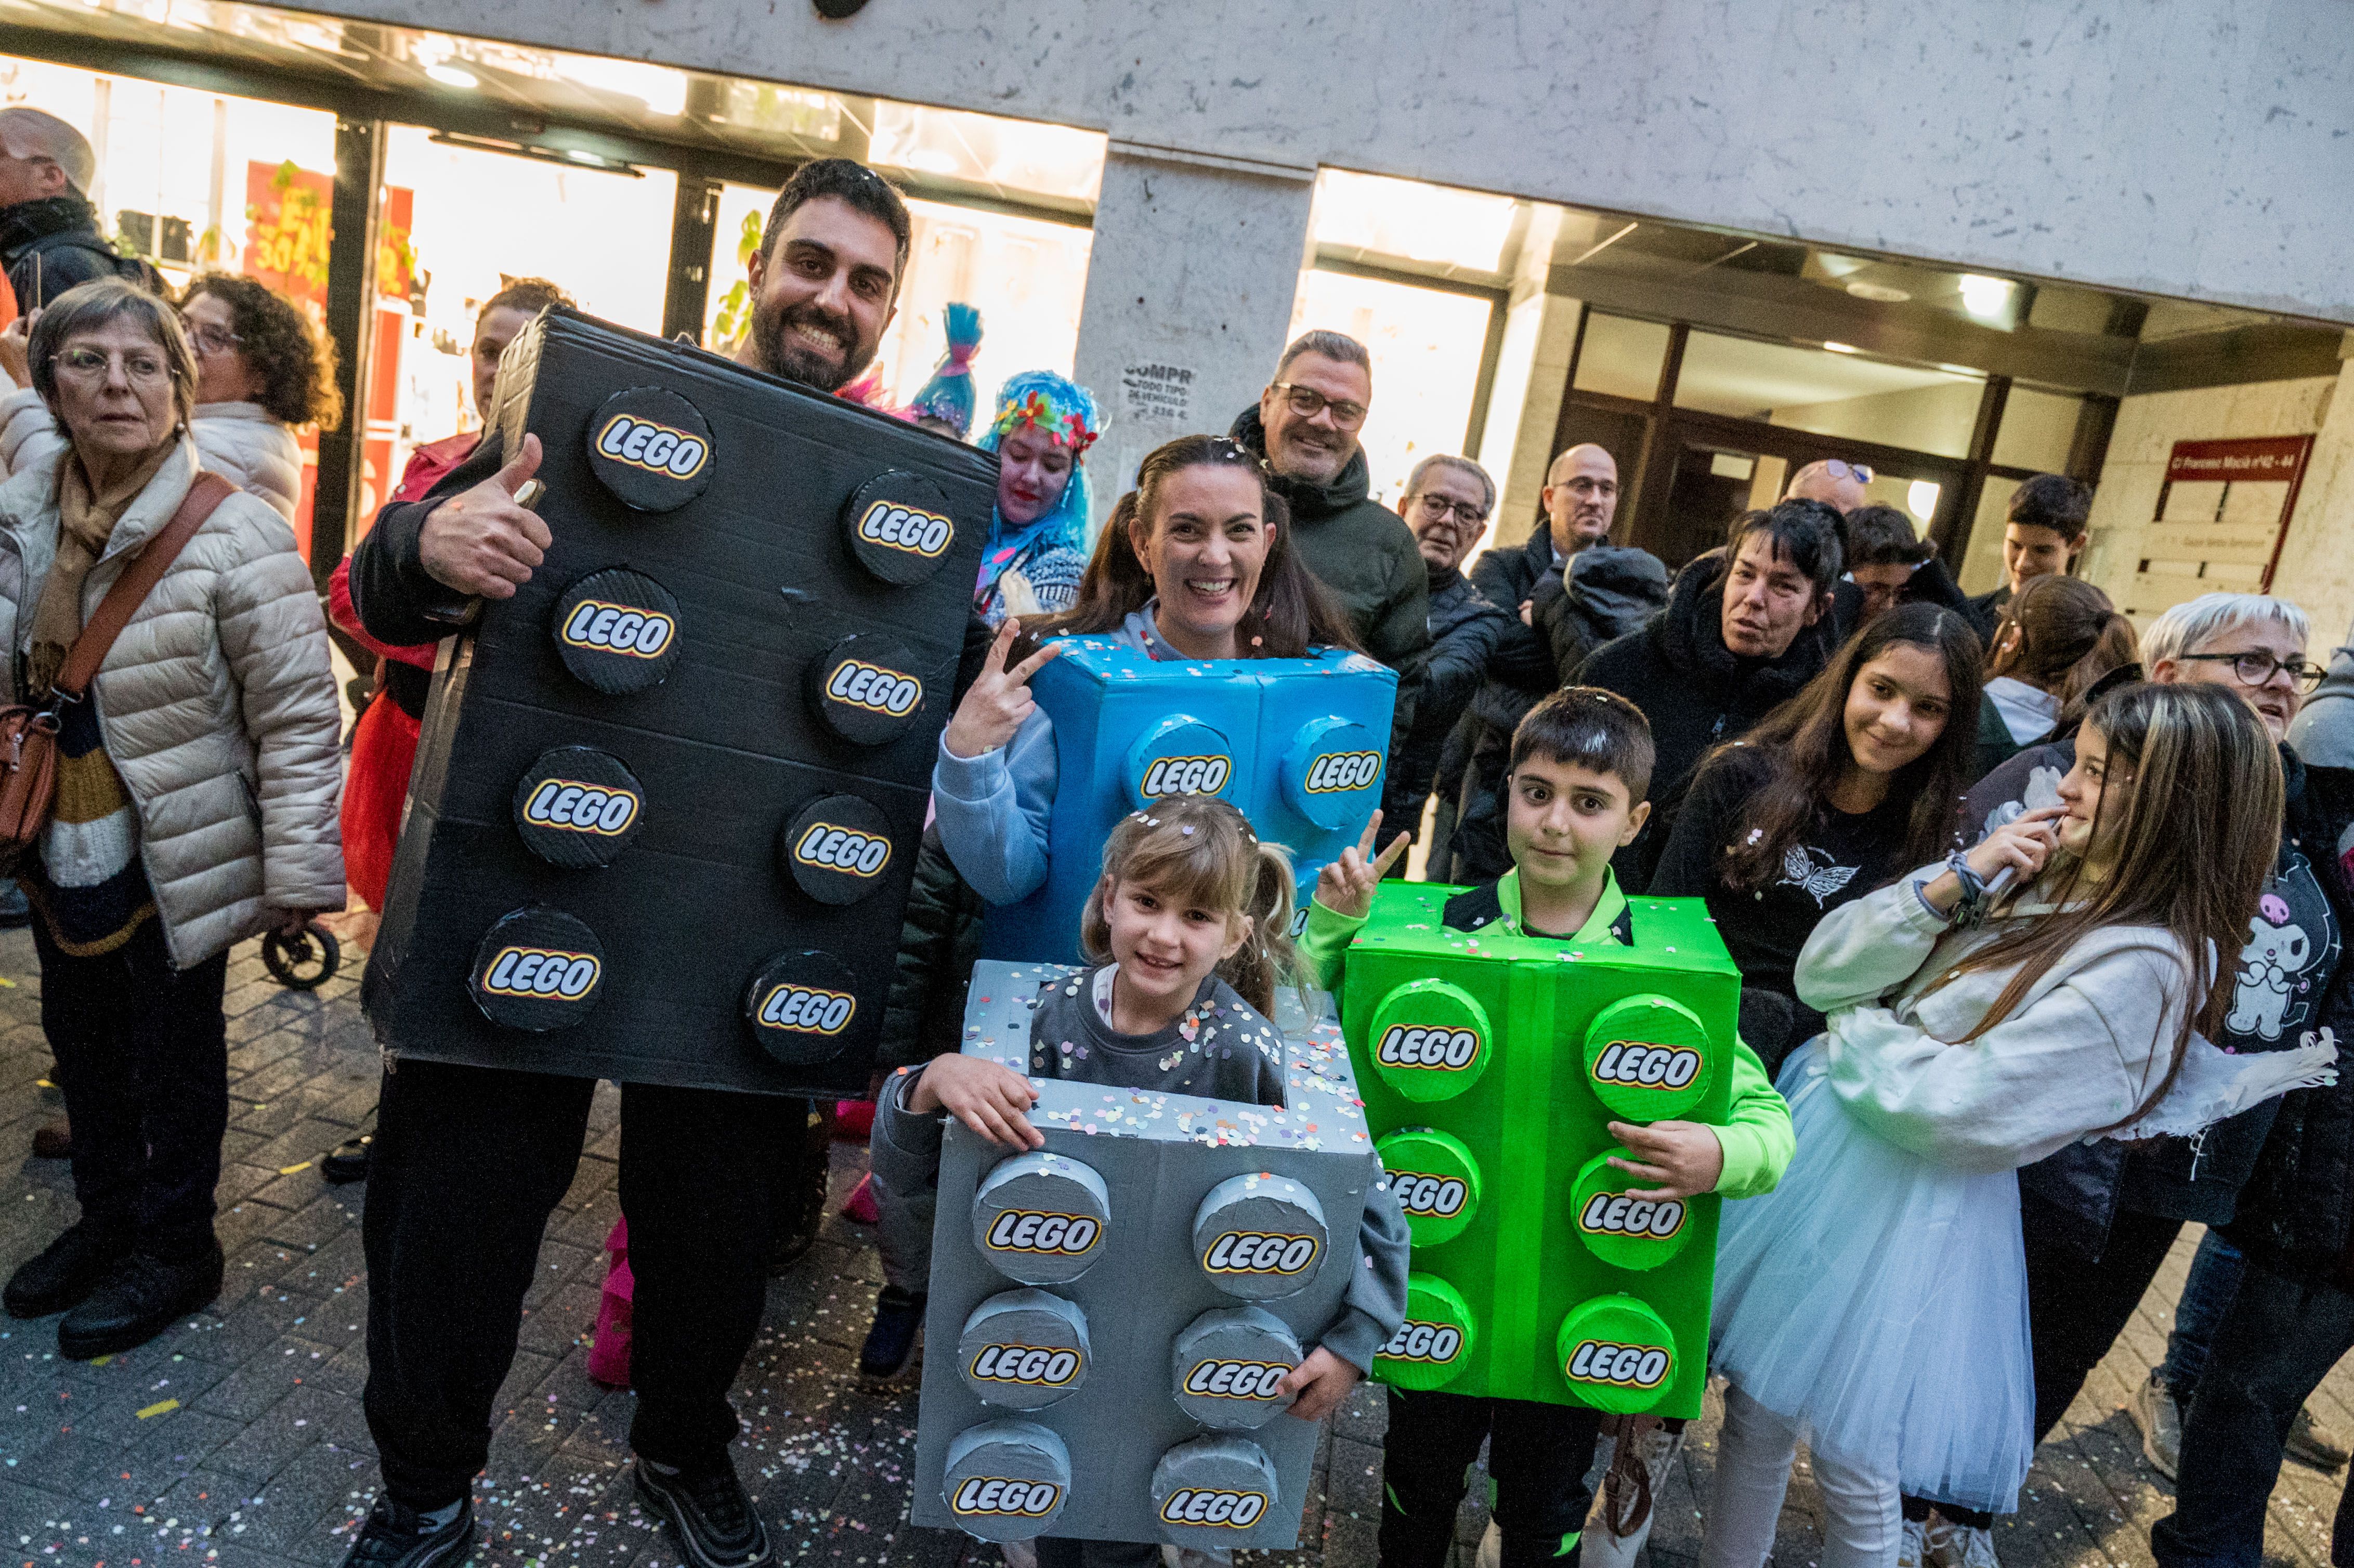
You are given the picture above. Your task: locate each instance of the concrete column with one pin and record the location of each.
(1189, 287)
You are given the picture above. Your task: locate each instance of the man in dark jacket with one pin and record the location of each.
(1745, 628)
(1447, 501)
(1305, 431)
(49, 231)
(1569, 591)
(2043, 532)
(470, 1161)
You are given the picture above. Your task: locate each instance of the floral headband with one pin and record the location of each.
(1066, 426)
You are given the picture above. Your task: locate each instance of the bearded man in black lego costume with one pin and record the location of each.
(469, 1161)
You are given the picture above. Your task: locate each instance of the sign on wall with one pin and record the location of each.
(2221, 516)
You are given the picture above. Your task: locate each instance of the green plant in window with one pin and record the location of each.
(735, 315)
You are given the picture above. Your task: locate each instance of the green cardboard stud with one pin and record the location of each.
(1647, 1058)
(1430, 1040)
(1492, 1284)
(1617, 1354)
(1627, 1230)
(1436, 1179)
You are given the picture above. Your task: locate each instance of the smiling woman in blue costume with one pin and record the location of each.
(1038, 536)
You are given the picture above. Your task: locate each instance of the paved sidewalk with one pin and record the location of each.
(238, 1439)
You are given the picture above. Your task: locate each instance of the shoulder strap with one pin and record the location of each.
(138, 579)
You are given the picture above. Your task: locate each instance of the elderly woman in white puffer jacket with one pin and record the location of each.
(262, 368)
(196, 804)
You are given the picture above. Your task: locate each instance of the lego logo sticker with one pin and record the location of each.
(1259, 1237)
(868, 688)
(1434, 1344)
(899, 527)
(1041, 1218)
(1436, 1181)
(651, 448)
(1005, 1480)
(537, 970)
(799, 1006)
(1616, 1355)
(1626, 1229)
(1429, 1040)
(617, 630)
(1647, 1058)
(1332, 772)
(1187, 776)
(1213, 1491)
(577, 807)
(1024, 1350)
(1178, 755)
(836, 849)
(1227, 1367)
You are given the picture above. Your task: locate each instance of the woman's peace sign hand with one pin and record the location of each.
(1000, 699)
(1346, 885)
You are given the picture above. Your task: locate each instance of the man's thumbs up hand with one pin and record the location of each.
(483, 542)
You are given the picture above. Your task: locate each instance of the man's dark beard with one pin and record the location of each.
(780, 355)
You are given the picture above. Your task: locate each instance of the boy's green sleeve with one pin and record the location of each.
(1324, 944)
(1758, 1140)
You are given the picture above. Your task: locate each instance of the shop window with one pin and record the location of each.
(1831, 393)
(1027, 277)
(1426, 346)
(2039, 429)
(1413, 221)
(1621, 357)
(985, 151)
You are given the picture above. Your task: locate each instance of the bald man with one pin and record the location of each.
(1836, 484)
(49, 231)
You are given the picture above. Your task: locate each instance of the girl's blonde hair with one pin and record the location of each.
(2192, 809)
(1198, 851)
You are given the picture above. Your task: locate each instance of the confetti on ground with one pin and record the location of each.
(290, 1169)
(161, 1407)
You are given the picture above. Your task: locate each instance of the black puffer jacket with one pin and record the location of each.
(1678, 670)
(1464, 630)
(1612, 590)
(50, 245)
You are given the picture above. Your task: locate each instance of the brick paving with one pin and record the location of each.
(237, 1438)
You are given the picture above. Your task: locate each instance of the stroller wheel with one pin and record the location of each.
(305, 962)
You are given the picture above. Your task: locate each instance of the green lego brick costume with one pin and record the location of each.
(1533, 1278)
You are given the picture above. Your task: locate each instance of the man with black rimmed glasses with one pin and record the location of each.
(1305, 429)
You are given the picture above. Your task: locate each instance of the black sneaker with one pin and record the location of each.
(137, 1301)
(397, 1536)
(349, 1163)
(714, 1523)
(71, 1267)
(899, 1319)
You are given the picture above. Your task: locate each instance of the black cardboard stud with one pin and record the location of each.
(797, 1005)
(537, 970)
(617, 630)
(837, 848)
(868, 688)
(652, 447)
(899, 527)
(577, 807)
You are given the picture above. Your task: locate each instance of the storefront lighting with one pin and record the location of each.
(1921, 498)
(1878, 293)
(1985, 297)
(454, 76)
(1841, 347)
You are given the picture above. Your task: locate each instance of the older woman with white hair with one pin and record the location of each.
(196, 801)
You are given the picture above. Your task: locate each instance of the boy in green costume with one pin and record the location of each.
(1580, 764)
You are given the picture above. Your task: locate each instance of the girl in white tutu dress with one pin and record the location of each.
(1874, 1304)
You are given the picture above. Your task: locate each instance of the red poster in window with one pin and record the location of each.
(289, 212)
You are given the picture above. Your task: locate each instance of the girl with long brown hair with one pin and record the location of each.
(1850, 782)
(1876, 1302)
(1196, 562)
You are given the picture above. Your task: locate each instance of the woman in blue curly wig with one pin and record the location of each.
(1038, 538)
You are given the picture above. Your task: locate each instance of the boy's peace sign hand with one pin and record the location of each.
(1346, 885)
(1000, 699)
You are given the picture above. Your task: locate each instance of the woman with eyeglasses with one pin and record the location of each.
(2100, 1220)
(195, 807)
(261, 370)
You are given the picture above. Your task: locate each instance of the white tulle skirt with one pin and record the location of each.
(1879, 1302)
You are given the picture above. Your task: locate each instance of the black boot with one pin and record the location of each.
(349, 1163)
(70, 1269)
(138, 1302)
(898, 1319)
(801, 1189)
(397, 1536)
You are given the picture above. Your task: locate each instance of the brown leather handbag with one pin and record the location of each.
(28, 735)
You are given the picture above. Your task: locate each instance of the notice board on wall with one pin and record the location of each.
(2221, 516)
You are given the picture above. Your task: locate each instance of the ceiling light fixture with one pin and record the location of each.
(1841, 347)
(454, 76)
(1985, 297)
(1878, 293)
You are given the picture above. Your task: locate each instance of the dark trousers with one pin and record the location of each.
(2273, 1349)
(467, 1165)
(2077, 1307)
(1537, 1455)
(142, 1056)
